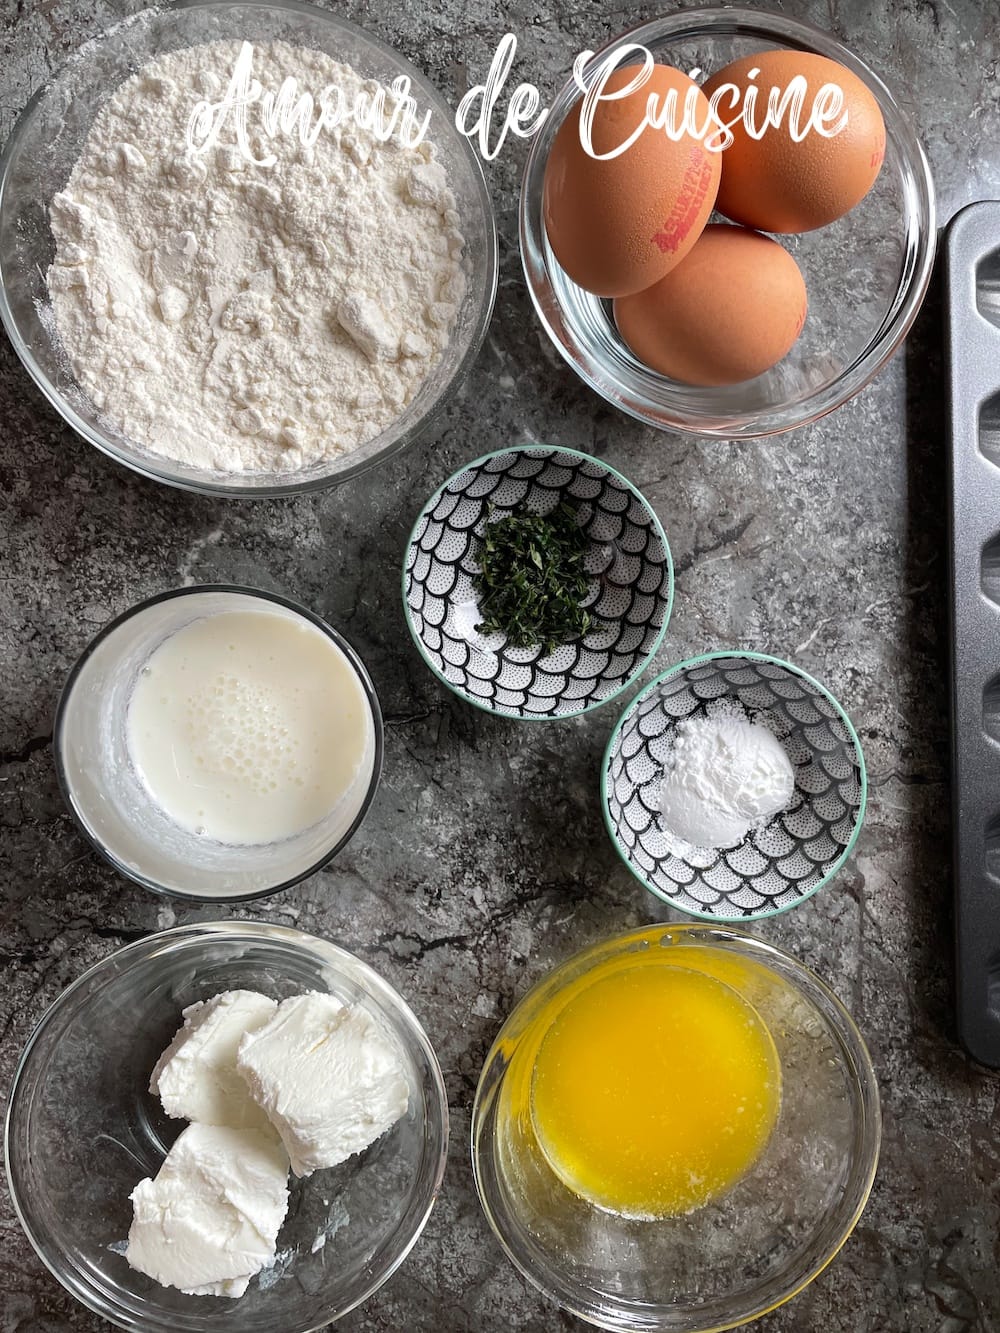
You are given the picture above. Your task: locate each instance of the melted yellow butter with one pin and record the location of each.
(655, 1086)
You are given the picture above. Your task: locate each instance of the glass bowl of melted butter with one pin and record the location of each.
(677, 1129)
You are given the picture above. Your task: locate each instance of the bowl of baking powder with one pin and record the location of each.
(243, 247)
(734, 786)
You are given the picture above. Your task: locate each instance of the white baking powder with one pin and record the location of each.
(251, 318)
(727, 774)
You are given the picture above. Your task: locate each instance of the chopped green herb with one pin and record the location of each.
(532, 578)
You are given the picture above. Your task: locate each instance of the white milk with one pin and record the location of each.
(248, 726)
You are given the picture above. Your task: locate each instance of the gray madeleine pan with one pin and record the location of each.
(972, 269)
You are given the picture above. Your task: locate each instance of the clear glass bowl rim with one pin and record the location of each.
(863, 1079)
(765, 26)
(260, 932)
(277, 599)
(211, 486)
(697, 661)
(657, 528)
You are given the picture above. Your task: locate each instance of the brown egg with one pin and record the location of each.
(776, 184)
(728, 312)
(618, 225)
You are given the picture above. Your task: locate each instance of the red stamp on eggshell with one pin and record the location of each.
(683, 215)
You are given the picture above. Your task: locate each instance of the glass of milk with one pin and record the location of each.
(219, 742)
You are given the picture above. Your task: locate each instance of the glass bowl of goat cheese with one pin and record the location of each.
(244, 248)
(229, 1126)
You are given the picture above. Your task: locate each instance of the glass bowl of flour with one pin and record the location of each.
(243, 248)
(83, 1130)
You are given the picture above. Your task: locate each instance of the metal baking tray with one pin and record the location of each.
(972, 275)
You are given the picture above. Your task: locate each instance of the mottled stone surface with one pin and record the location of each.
(484, 861)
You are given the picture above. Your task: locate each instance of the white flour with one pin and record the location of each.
(241, 317)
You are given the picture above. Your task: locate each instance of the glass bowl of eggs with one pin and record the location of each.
(733, 230)
(677, 1129)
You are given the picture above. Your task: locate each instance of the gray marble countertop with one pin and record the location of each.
(484, 860)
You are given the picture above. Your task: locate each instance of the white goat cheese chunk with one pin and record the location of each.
(196, 1076)
(330, 1079)
(209, 1220)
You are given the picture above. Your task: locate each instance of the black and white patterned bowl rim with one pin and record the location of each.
(777, 866)
(629, 600)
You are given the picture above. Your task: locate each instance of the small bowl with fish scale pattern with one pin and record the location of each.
(628, 572)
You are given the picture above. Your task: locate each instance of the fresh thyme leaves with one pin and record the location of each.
(532, 579)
